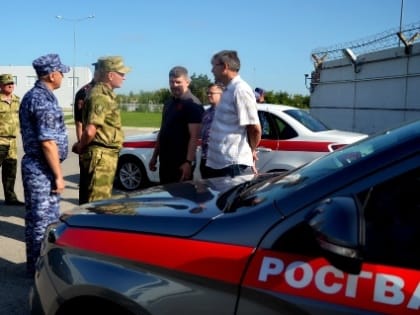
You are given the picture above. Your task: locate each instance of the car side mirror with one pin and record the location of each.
(338, 229)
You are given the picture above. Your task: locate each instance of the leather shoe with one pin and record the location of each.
(14, 203)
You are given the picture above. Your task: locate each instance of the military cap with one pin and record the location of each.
(49, 63)
(112, 63)
(6, 79)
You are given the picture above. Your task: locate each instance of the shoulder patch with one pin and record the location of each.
(99, 109)
(50, 120)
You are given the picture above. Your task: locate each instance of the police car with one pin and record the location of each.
(339, 235)
(290, 137)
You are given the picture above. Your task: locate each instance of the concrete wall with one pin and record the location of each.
(25, 78)
(380, 92)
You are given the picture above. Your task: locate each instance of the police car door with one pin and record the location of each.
(289, 274)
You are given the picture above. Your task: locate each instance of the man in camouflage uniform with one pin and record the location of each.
(45, 142)
(9, 124)
(102, 135)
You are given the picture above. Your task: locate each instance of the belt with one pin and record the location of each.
(8, 137)
(98, 144)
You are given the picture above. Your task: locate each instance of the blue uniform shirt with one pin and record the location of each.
(42, 119)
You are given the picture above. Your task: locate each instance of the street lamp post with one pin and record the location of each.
(74, 21)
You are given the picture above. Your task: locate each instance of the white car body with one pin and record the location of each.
(287, 142)
(292, 137)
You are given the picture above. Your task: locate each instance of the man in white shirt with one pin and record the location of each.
(235, 131)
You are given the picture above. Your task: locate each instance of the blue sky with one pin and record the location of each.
(274, 38)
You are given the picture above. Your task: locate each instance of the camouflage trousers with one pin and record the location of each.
(42, 206)
(97, 173)
(8, 165)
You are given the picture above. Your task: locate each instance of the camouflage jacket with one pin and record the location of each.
(102, 110)
(9, 120)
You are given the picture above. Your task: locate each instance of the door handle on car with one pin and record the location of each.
(264, 149)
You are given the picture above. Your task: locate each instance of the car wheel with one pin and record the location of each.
(131, 174)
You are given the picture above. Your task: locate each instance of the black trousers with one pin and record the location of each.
(231, 170)
(205, 171)
(170, 173)
(8, 173)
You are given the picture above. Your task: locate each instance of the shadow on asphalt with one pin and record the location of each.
(11, 230)
(14, 289)
(15, 285)
(8, 229)
(12, 211)
(73, 178)
(74, 201)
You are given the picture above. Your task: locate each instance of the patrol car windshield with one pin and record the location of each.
(351, 154)
(307, 120)
(328, 164)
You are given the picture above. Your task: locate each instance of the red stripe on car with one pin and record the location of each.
(145, 144)
(278, 145)
(290, 145)
(139, 144)
(217, 261)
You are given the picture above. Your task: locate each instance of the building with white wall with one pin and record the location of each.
(368, 85)
(25, 78)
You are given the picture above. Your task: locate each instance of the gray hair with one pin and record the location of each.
(228, 57)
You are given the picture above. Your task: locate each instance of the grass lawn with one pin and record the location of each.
(139, 119)
(132, 119)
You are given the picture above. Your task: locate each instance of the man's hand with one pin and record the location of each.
(255, 159)
(186, 171)
(152, 164)
(77, 148)
(59, 186)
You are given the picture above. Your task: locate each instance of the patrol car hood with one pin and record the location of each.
(341, 136)
(180, 209)
(151, 136)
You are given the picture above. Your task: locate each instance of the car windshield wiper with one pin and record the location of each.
(240, 192)
(233, 194)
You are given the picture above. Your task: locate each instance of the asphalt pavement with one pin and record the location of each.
(14, 285)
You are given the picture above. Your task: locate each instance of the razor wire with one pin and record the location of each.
(380, 41)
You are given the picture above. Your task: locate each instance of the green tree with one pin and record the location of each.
(198, 86)
(301, 101)
(162, 95)
(285, 98)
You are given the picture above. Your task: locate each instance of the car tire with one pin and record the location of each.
(131, 174)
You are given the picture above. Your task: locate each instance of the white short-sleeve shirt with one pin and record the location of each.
(228, 141)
